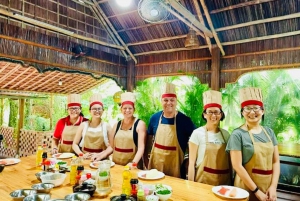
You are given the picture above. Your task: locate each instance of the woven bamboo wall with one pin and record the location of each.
(8, 146)
(29, 141)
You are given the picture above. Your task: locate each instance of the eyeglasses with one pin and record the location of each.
(97, 109)
(249, 109)
(74, 109)
(213, 112)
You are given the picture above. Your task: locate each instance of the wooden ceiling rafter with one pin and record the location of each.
(171, 50)
(45, 80)
(273, 19)
(61, 76)
(37, 76)
(11, 71)
(148, 25)
(110, 32)
(240, 5)
(16, 77)
(200, 17)
(210, 23)
(33, 71)
(157, 40)
(96, 5)
(121, 14)
(6, 65)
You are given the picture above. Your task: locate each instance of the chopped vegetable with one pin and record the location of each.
(103, 174)
(161, 189)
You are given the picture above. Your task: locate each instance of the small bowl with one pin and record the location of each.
(39, 174)
(2, 167)
(19, 195)
(85, 188)
(58, 200)
(38, 197)
(164, 197)
(78, 196)
(43, 187)
(152, 198)
(54, 178)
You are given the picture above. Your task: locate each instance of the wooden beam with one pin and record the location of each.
(102, 21)
(45, 80)
(148, 25)
(96, 5)
(20, 122)
(121, 14)
(24, 79)
(215, 68)
(293, 33)
(189, 24)
(53, 48)
(171, 50)
(272, 19)
(56, 65)
(157, 40)
(57, 29)
(200, 17)
(257, 68)
(175, 61)
(188, 15)
(175, 74)
(249, 3)
(205, 9)
(102, 1)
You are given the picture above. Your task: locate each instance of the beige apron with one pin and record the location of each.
(214, 169)
(124, 147)
(93, 141)
(260, 166)
(67, 138)
(166, 155)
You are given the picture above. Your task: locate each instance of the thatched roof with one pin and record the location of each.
(102, 25)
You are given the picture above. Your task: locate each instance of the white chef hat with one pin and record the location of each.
(169, 91)
(251, 96)
(212, 98)
(74, 100)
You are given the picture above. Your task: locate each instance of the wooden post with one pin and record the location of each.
(1, 111)
(20, 121)
(51, 111)
(130, 75)
(215, 68)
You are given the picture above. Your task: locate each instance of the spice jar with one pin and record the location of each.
(134, 187)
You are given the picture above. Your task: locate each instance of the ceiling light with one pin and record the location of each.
(123, 3)
(191, 39)
(60, 82)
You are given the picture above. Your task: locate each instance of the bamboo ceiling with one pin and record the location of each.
(102, 25)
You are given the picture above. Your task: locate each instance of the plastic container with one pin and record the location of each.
(56, 178)
(126, 186)
(141, 195)
(73, 170)
(38, 158)
(80, 167)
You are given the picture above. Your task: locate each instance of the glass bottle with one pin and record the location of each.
(38, 160)
(126, 186)
(80, 166)
(44, 156)
(103, 180)
(73, 170)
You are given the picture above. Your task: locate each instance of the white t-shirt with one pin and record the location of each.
(101, 127)
(198, 138)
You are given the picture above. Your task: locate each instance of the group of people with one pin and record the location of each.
(248, 158)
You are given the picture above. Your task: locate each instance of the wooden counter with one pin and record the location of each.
(22, 176)
(289, 149)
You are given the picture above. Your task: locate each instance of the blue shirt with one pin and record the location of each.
(184, 127)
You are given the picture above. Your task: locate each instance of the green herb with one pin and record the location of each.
(163, 192)
(103, 174)
(61, 163)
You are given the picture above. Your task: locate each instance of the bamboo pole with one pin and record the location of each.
(96, 5)
(57, 29)
(121, 14)
(55, 65)
(157, 40)
(12, 71)
(293, 33)
(189, 24)
(212, 26)
(273, 19)
(171, 62)
(199, 14)
(171, 50)
(256, 68)
(148, 25)
(20, 122)
(249, 3)
(175, 74)
(53, 48)
(188, 15)
(102, 21)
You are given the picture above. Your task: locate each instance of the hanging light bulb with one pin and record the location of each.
(191, 39)
(60, 82)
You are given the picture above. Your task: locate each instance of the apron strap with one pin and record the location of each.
(85, 128)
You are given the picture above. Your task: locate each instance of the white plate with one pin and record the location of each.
(241, 193)
(95, 164)
(9, 161)
(142, 175)
(63, 155)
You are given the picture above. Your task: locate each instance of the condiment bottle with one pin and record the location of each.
(73, 170)
(126, 187)
(134, 187)
(80, 166)
(140, 195)
(82, 179)
(44, 156)
(38, 160)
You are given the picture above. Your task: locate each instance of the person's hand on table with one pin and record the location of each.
(87, 155)
(54, 150)
(97, 156)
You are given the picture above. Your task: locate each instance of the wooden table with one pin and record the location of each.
(22, 176)
(289, 149)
